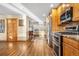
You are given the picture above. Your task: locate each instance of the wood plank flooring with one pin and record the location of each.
(37, 47)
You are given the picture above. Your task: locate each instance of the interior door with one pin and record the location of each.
(12, 29)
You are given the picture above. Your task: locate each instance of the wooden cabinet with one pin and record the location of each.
(55, 21)
(70, 47)
(75, 11)
(75, 52)
(75, 6)
(67, 50)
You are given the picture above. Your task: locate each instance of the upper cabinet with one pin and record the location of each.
(75, 11)
(55, 20)
(64, 14)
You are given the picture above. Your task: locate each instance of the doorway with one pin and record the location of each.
(11, 29)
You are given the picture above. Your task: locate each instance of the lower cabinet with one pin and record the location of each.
(69, 49)
(75, 52)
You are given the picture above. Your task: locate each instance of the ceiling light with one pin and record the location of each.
(50, 15)
(52, 5)
(63, 5)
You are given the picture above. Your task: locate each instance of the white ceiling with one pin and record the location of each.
(7, 11)
(39, 9)
(35, 9)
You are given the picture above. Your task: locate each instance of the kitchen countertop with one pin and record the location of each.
(75, 37)
(72, 36)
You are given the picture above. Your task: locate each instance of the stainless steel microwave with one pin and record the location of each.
(67, 15)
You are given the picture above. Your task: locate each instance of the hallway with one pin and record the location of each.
(37, 47)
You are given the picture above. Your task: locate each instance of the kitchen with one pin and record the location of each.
(52, 32)
(39, 29)
(65, 29)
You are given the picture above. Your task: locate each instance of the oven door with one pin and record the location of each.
(56, 48)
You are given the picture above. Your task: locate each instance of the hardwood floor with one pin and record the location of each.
(37, 47)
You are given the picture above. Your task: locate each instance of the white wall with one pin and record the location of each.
(3, 35)
(23, 30)
(27, 27)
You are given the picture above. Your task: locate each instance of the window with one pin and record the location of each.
(21, 22)
(2, 25)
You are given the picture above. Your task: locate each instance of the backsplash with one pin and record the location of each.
(62, 28)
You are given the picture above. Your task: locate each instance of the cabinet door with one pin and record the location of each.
(67, 50)
(55, 21)
(70, 47)
(71, 42)
(75, 12)
(75, 52)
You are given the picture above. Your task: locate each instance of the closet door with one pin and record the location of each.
(12, 29)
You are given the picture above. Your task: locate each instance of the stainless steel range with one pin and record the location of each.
(57, 43)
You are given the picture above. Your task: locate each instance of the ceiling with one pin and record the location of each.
(7, 11)
(39, 9)
(36, 10)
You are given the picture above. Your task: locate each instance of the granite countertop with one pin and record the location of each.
(75, 37)
(72, 35)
